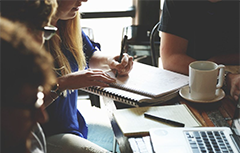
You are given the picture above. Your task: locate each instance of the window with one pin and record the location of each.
(107, 31)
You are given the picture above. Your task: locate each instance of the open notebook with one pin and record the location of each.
(132, 121)
(199, 139)
(144, 85)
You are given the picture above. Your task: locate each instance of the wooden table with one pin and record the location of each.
(211, 114)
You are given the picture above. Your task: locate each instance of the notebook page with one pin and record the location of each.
(184, 116)
(132, 121)
(151, 81)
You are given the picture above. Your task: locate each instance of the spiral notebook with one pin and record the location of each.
(145, 85)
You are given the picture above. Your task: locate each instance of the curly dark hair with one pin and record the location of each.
(23, 61)
(34, 13)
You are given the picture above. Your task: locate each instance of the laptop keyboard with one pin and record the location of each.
(208, 142)
(140, 144)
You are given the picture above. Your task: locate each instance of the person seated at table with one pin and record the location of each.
(74, 54)
(194, 30)
(26, 76)
(199, 30)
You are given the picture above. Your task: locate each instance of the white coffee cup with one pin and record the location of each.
(203, 77)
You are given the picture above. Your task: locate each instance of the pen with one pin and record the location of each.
(177, 124)
(122, 50)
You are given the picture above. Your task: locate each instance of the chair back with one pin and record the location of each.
(155, 39)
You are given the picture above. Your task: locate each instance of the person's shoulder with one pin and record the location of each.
(84, 36)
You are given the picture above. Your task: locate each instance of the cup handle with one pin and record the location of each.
(221, 76)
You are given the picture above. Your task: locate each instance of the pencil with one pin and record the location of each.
(122, 51)
(177, 124)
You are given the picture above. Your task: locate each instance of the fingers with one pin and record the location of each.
(234, 81)
(125, 66)
(98, 72)
(235, 93)
(86, 78)
(99, 78)
(125, 60)
(128, 67)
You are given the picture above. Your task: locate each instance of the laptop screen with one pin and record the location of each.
(236, 120)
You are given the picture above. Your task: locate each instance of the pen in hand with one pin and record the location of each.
(174, 123)
(122, 51)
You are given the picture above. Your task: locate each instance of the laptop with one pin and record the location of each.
(198, 139)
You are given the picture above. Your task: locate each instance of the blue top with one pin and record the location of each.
(64, 117)
(210, 28)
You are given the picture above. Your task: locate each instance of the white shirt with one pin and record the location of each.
(38, 141)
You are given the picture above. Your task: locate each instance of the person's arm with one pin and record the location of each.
(173, 53)
(99, 61)
(79, 79)
(227, 59)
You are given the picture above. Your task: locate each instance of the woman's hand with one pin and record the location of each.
(233, 84)
(124, 67)
(85, 78)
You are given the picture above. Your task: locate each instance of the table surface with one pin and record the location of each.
(210, 114)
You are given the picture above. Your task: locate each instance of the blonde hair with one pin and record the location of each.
(70, 37)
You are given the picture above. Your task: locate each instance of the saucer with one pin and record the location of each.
(184, 93)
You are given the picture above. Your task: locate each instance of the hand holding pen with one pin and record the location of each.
(122, 51)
